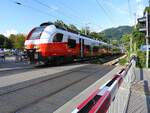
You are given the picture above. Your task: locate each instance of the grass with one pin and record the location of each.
(123, 61)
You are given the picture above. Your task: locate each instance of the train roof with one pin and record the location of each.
(59, 27)
(77, 33)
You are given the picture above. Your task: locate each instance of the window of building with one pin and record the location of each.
(58, 37)
(71, 43)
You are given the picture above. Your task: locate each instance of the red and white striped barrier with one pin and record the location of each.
(101, 99)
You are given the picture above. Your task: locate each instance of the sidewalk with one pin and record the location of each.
(139, 99)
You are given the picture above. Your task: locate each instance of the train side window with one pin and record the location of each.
(58, 37)
(87, 47)
(71, 43)
(95, 49)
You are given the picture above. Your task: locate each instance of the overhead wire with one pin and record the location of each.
(140, 4)
(58, 11)
(107, 9)
(60, 3)
(36, 10)
(70, 9)
(134, 15)
(45, 5)
(41, 11)
(105, 12)
(130, 9)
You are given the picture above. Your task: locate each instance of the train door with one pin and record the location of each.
(82, 47)
(81, 43)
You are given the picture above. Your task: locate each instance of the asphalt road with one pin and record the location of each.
(48, 95)
(14, 69)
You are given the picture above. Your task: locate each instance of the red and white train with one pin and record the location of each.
(51, 43)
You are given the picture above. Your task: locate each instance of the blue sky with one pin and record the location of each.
(97, 14)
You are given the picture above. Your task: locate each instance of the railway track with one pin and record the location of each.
(53, 93)
(35, 67)
(13, 71)
(40, 82)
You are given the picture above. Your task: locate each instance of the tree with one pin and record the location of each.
(114, 42)
(147, 9)
(98, 36)
(85, 30)
(118, 32)
(125, 41)
(2, 39)
(5, 42)
(73, 27)
(17, 41)
(12, 39)
(138, 38)
(61, 24)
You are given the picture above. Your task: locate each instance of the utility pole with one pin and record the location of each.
(85, 30)
(147, 52)
(130, 44)
(134, 45)
(147, 38)
(135, 20)
(131, 38)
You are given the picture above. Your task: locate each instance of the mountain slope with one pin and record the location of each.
(116, 33)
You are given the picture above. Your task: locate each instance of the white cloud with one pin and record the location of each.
(9, 32)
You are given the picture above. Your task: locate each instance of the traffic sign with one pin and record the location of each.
(144, 48)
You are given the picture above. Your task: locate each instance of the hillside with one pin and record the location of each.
(116, 33)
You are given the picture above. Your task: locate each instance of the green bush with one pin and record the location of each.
(123, 61)
(141, 58)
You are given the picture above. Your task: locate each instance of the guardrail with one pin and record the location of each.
(101, 98)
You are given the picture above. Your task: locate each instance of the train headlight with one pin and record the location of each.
(25, 47)
(36, 47)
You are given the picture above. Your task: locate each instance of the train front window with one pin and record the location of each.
(36, 33)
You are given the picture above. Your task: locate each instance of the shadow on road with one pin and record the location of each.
(146, 89)
(141, 74)
(147, 93)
